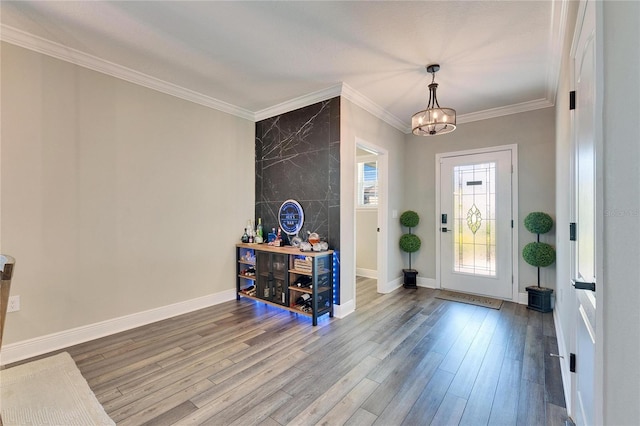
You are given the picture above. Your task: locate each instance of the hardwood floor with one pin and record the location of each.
(404, 358)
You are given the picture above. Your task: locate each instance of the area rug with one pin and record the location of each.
(49, 391)
(471, 299)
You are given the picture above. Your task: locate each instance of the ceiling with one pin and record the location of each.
(258, 59)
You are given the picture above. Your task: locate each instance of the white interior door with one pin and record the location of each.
(476, 224)
(584, 208)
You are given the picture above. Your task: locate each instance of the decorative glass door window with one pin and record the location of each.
(474, 222)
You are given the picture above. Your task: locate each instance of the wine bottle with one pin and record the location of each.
(304, 299)
(259, 229)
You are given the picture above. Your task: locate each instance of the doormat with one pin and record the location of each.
(49, 391)
(471, 299)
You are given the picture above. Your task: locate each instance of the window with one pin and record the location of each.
(367, 184)
(474, 221)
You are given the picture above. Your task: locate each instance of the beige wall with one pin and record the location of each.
(533, 132)
(619, 295)
(367, 239)
(358, 125)
(116, 199)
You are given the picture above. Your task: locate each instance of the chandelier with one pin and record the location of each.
(433, 120)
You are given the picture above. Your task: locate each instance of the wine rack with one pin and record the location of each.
(272, 281)
(246, 271)
(287, 278)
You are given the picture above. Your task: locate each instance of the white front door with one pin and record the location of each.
(584, 211)
(475, 223)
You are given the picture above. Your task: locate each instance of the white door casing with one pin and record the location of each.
(383, 206)
(476, 244)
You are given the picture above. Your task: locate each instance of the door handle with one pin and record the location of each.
(581, 285)
(444, 229)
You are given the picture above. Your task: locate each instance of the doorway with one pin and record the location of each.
(370, 215)
(476, 238)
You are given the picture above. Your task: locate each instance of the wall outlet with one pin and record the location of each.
(14, 304)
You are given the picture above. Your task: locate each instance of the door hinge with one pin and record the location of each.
(512, 223)
(572, 363)
(572, 100)
(572, 231)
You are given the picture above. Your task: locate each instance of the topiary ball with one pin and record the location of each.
(410, 243)
(409, 219)
(538, 222)
(539, 254)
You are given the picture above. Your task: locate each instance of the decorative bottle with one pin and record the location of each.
(272, 236)
(259, 235)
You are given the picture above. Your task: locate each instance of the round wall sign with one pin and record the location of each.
(291, 217)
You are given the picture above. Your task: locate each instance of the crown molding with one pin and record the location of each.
(38, 44)
(46, 47)
(299, 102)
(502, 111)
(341, 89)
(368, 105)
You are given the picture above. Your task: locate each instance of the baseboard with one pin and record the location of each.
(367, 273)
(426, 282)
(344, 309)
(523, 299)
(390, 286)
(40, 345)
(564, 363)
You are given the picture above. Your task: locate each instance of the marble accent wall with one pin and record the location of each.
(298, 157)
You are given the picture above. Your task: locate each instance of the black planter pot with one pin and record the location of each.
(539, 298)
(410, 278)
